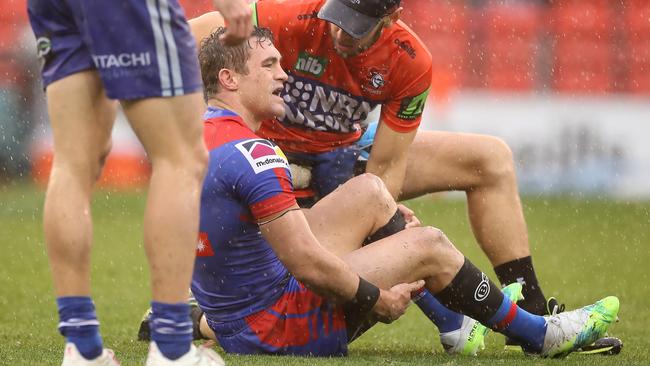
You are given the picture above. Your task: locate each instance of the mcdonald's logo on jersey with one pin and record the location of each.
(262, 155)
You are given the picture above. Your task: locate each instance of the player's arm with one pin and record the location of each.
(389, 157)
(289, 235)
(204, 25)
(237, 15)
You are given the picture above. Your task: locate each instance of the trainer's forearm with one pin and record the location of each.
(391, 172)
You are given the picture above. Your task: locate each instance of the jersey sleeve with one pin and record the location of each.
(263, 181)
(402, 112)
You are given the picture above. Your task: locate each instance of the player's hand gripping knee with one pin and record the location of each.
(393, 303)
(409, 216)
(237, 16)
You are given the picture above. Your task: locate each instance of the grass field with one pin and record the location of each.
(583, 250)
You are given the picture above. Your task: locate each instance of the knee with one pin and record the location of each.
(497, 162)
(435, 243)
(377, 193)
(98, 165)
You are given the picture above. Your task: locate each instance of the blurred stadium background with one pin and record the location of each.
(565, 82)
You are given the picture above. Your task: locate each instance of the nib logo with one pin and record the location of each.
(310, 64)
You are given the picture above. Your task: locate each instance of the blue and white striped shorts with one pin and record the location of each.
(141, 48)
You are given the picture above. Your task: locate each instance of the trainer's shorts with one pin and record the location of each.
(141, 48)
(333, 168)
(298, 323)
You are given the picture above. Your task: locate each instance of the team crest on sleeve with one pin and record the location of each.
(262, 155)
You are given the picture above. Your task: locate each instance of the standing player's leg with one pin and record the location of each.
(171, 131)
(483, 167)
(81, 118)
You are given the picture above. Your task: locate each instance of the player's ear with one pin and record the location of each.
(228, 79)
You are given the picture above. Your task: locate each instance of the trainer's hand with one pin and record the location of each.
(393, 303)
(409, 216)
(237, 17)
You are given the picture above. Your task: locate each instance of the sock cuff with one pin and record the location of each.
(396, 224)
(77, 315)
(510, 270)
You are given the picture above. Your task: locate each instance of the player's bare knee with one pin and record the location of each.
(436, 241)
(497, 163)
(101, 161)
(377, 193)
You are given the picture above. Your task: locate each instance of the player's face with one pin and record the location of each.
(347, 46)
(260, 88)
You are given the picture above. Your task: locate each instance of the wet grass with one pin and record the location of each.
(583, 250)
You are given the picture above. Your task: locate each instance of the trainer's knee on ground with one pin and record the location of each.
(496, 163)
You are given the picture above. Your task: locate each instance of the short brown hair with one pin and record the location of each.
(214, 55)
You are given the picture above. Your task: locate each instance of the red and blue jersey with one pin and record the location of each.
(249, 298)
(236, 271)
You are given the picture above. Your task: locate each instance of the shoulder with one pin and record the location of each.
(409, 46)
(291, 12)
(221, 130)
(261, 154)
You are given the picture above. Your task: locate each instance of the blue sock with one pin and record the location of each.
(517, 323)
(78, 323)
(171, 328)
(445, 319)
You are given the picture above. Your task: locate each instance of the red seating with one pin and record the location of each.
(442, 27)
(511, 38)
(581, 19)
(583, 66)
(637, 18)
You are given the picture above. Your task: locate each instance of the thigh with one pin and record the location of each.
(334, 168)
(409, 255)
(82, 119)
(342, 220)
(444, 161)
(169, 128)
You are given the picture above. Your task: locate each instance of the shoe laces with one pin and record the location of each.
(562, 327)
(553, 307)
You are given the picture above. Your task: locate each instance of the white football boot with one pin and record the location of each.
(72, 357)
(196, 356)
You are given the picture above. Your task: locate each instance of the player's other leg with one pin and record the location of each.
(425, 253)
(81, 118)
(367, 211)
(483, 167)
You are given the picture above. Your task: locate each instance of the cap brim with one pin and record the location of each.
(352, 22)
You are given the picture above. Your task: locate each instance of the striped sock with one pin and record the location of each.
(171, 328)
(78, 323)
(519, 324)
